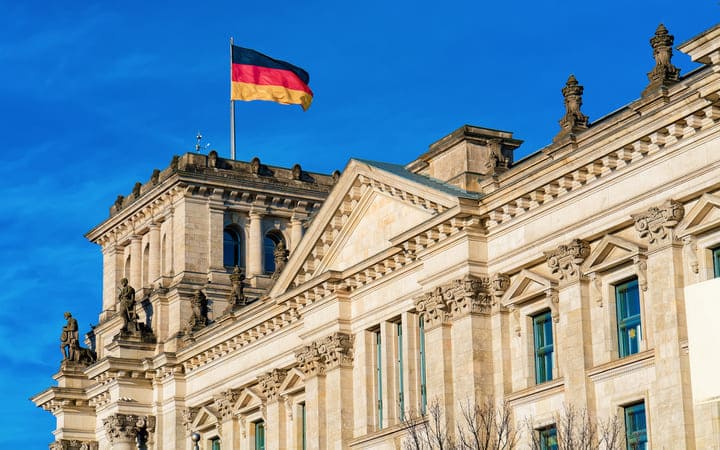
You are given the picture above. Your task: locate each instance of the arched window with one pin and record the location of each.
(272, 239)
(233, 251)
(146, 266)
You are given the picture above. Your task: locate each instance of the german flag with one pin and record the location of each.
(259, 77)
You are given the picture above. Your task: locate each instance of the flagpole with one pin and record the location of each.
(232, 109)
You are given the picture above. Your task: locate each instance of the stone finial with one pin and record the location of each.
(255, 166)
(174, 162)
(296, 172)
(574, 120)
(155, 176)
(657, 223)
(565, 260)
(281, 257)
(664, 73)
(335, 176)
(119, 202)
(270, 383)
(136, 189)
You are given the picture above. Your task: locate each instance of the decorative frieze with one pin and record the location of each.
(128, 427)
(270, 383)
(330, 352)
(565, 261)
(73, 444)
(225, 403)
(657, 223)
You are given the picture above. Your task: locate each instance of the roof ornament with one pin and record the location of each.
(664, 73)
(574, 120)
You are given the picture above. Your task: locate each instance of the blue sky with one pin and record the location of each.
(95, 95)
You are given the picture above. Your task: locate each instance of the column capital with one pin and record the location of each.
(330, 352)
(565, 260)
(225, 403)
(74, 444)
(126, 427)
(657, 223)
(256, 214)
(270, 383)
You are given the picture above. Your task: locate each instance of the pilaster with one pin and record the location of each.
(112, 273)
(135, 277)
(296, 232)
(215, 237)
(255, 245)
(154, 256)
(276, 431)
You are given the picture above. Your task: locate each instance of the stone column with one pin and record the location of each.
(124, 430)
(154, 256)
(276, 426)
(296, 232)
(571, 316)
(112, 273)
(215, 237)
(135, 277)
(670, 408)
(438, 345)
(313, 368)
(337, 354)
(411, 369)
(388, 341)
(225, 405)
(255, 246)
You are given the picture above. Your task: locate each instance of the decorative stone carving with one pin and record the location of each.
(296, 172)
(70, 345)
(136, 189)
(119, 202)
(330, 352)
(596, 288)
(243, 427)
(468, 295)
(554, 300)
(174, 162)
(237, 292)
(255, 166)
(496, 162)
(213, 159)
(129, 428)
(288, 407)
(270, 383)
(132, 328)
(281, 257)
(664, 73)
(690, 252)
(574, 120)
(188, 417)
(641, 269)
(515, 317)
(432, 308)
(657, 223)
(565, 261)
(155, 176)
(73, 444)
(225, 403)
(499, 285)
(199, 318)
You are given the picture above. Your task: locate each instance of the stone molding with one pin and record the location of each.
(73, 444)
(657, 223)
(458, 298)
(565, 260)
(126, 427)
(325, 354)
(270, 383)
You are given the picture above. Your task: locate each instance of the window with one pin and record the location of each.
(543, 336)
(716, 262)
(423, 379)
(146, 266)
(401, 396)
(627, 298)
(233, 252)
(547, 438)
(215, 444)
(636, 427)
(260, 435)
(272, 239)
(378, 364)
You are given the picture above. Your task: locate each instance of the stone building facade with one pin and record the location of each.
(581, 275)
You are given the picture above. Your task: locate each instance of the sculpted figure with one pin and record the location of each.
(281, 257)
(69, 338)
(199, 318)
(126, 301)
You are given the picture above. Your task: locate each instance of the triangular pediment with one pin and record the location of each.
(247, 400)
(526, 286)
(205, 417)
(294, 381)
(610, 252)
(367, 208)
(704, 216)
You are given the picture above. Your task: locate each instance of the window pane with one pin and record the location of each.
(260, 436)
(543, 339)
(716, 262)
(548, 438)
(627, 298)
(215, 444)
(423, 390)
(378, 363)
(401, 387)
(636, 427)
(231, 248)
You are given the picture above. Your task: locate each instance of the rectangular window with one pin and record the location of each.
(303, 431)
(401, 396)
(547, 438)
(716, 262)
(378, 364)
(627, 298)
(543, 337)
(636, 427)
(423, 379)
(215, 444)
(260, 435)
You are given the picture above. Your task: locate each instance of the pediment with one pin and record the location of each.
(247, 400)
(205, 417)
(526, 286)
(367, 208)
(294, 381)
(704, 216)
(610, 252)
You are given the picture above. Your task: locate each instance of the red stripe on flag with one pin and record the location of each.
(244, 73)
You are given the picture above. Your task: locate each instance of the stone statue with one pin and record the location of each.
(281, 257)
(237, 292)
(70, 345)
(199, 318)
(126, 301)
(69, 338)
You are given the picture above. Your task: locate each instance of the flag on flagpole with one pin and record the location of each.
(259, 77)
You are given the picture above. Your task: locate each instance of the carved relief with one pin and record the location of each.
(468, 295)
(690, 253)
(499, 284)
(73, 444)
(641, 269)
(657, 223)
(565, 260)
(596, 288)
(270, 383)
(309, 361)
(188, 417)
(332, 351)
(432, 308)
